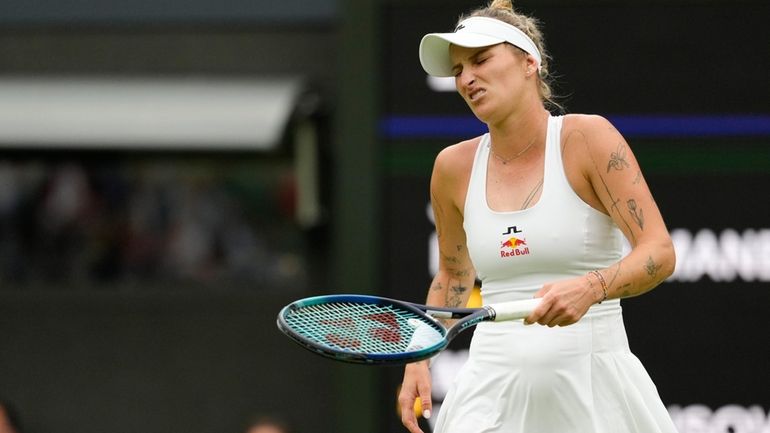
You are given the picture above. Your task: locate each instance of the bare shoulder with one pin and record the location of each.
(592, 128)
(451, 174)
(456, 159)
(588, 138)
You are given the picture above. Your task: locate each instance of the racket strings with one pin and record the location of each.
(359, 327)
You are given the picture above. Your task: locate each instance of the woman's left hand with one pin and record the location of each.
(564, 302)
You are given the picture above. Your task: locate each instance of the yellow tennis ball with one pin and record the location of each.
(417, 407)
(474, 301)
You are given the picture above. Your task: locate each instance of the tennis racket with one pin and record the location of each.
(372, 330)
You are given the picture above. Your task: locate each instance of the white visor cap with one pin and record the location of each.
(474, 32)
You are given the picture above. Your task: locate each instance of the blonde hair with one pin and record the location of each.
(503, 10)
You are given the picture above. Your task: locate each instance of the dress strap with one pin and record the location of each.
(476, 194)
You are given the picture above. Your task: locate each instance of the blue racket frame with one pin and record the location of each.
(367, 358)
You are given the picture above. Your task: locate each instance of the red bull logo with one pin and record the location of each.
(518, 247)
(514, 243)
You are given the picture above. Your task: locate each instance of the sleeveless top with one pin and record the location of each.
(560, 237)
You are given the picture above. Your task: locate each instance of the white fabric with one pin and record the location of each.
(473, 32)
(535, 379)
(562, 236)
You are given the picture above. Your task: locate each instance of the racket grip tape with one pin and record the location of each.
(514, 310)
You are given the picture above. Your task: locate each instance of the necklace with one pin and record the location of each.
(511, 158)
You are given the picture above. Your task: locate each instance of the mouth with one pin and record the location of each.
(476, 94)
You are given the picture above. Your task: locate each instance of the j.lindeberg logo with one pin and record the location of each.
(511, 229)
(460, 27)
(513, 246)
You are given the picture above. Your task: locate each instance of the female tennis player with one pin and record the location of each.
(537, 207)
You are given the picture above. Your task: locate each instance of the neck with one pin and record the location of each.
(518, 131)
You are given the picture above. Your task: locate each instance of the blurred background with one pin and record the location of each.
(173, 173)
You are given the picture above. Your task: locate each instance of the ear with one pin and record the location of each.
(531, 65)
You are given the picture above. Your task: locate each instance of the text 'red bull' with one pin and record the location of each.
(518, 247)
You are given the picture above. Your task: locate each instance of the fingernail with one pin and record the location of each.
(426, 414)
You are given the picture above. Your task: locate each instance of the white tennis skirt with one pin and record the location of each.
(533, 379)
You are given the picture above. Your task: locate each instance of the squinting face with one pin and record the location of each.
(491, 80)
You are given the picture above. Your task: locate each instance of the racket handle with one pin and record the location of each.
(514, 310)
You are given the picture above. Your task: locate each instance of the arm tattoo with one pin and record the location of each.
(638, 177)
(459, 273)
(613, 200)
(532, 195)
(625, 289)
(651, 267)
(455, 296)
(450, 259)
(636, 213)
(626, 292)
(437, 287)
(614, 277)
(618, 159)
(615, 207)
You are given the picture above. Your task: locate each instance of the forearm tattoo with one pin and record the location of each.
(651, 267)
(623, 289)
(460, 273)
(614, 275)
(455, 296)
(450, 259)
(626, 292)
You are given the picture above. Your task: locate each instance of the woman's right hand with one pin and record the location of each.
(416, 384)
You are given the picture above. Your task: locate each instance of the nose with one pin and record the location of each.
(465, 79)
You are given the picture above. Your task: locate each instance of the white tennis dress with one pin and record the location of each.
(534, 379)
